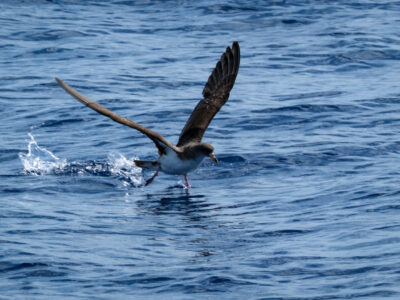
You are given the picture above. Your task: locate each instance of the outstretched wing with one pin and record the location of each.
(215, 93)
(158, 139)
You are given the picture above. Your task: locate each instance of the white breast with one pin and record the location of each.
(171, 164)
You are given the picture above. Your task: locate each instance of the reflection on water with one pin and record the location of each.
(304, 202)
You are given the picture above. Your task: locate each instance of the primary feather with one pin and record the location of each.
(215, 93)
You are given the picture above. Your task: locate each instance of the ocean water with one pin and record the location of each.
(305, 202)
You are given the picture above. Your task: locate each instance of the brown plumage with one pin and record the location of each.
(157, 138)
(215, 93)
(190, 151)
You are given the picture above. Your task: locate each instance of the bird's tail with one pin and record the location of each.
(147, 164)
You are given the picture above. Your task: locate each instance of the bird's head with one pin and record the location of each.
(208, 150)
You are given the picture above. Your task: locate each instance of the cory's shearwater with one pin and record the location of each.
(190, 151)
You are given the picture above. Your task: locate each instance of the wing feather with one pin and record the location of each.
(215, 94)
(157, 138)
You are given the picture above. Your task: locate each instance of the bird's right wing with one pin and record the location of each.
(157, 138)
(215, 93)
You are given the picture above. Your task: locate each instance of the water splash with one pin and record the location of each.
(126, 168)
(40, 161)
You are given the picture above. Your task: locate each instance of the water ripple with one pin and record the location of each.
(304, 202)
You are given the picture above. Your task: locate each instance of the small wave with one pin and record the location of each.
(126, 168)
(40, 161)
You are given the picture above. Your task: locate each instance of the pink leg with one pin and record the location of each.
(150, 180)
(187, 183)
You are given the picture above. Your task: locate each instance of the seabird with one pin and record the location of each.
(187, 155)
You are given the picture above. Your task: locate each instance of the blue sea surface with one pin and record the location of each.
(305, 202)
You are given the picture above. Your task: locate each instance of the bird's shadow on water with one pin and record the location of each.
(174, 200)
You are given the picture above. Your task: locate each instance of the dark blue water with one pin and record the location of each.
(305, 202)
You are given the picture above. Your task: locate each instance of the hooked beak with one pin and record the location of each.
(212, 156)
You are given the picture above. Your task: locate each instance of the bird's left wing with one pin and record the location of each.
(157, 138)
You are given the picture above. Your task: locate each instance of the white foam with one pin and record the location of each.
(120, 165)
(40, 161)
